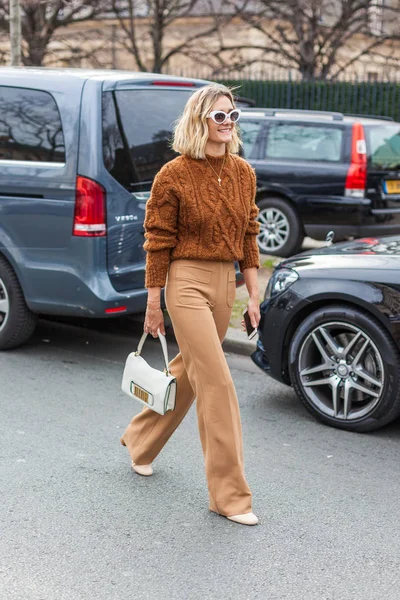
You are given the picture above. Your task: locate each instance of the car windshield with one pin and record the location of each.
(137, 131)
(384, 146)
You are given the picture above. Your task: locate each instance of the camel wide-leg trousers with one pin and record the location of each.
(199, 298)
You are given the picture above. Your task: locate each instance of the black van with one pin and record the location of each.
(78, 153)
(322, 171)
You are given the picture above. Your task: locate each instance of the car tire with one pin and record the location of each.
(17, 322)
(380, 360)
(290, 223)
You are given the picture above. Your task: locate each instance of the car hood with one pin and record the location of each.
(365, 253)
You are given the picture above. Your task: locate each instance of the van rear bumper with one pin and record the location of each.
(66, 290)
(65, 294)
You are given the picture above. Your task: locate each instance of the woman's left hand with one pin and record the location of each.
(253, 307)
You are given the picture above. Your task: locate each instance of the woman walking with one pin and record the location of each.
(200, 218)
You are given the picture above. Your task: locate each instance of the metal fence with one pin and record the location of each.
(356, 97)
(350, 94)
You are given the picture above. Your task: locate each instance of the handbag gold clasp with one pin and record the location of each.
(141, 393)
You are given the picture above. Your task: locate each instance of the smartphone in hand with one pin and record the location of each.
(250, 330)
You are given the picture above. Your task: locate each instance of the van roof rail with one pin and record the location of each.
(335, 116)
(381, 117)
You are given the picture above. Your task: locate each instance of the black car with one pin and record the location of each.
(330, 327)
(318, 171)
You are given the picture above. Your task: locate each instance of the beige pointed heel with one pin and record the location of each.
(246, 519)
(145, 470)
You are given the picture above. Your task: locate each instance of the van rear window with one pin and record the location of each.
(137, 131)
(383, 146)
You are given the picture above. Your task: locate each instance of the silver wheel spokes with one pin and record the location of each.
(274, 229)
(341, 371)
(4, 305)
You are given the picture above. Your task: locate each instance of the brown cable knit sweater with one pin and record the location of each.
(189, 215)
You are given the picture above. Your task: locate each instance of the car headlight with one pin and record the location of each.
(280, 281)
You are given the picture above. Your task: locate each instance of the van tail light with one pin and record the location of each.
(356, 180)
(90, 208)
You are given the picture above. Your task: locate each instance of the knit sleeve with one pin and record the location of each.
(161, 230)
(251, 256)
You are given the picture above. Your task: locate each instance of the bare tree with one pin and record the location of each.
(150, 28)
(42, 18)
(319, 38)
(87, 48)
(15, 32)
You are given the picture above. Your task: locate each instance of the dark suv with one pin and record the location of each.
(322, 171)
(78, 153)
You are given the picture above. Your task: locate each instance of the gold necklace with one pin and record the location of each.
(218, 176)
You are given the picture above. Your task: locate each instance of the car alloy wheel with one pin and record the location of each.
(274, 230)
(341, 371)
(4, 305)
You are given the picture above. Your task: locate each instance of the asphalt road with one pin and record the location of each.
(77, 524)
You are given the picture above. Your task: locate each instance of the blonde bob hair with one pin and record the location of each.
(191, 130)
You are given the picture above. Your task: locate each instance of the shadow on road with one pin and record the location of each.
(107, 339)
(112, 340)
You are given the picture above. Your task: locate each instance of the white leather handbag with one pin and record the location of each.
(151, 387)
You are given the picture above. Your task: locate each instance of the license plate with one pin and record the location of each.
(393, 187)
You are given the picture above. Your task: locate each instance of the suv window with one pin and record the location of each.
(137, 130)
(30, 126)
(251, 133)
(384, 146)
(304, 142)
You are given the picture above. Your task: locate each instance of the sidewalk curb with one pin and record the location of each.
(236, 342)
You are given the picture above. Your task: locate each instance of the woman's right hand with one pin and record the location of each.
(154, 320)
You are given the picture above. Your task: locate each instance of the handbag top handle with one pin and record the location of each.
(163, 341)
